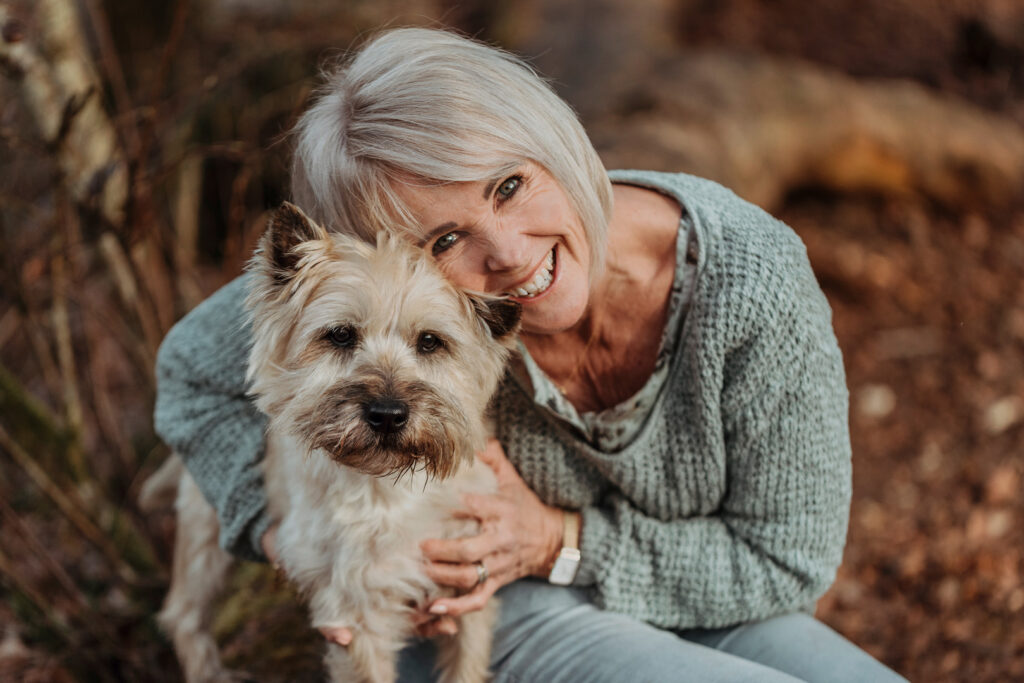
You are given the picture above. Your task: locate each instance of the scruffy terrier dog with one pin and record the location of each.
(376, 374)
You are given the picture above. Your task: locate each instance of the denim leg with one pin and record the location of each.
(555, 635)
(801, 646)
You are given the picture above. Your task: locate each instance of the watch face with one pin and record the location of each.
(564, 570)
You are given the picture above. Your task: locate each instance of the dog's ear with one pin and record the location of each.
(287, 228)
(500, 315)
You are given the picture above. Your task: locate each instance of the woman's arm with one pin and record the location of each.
(203, 413)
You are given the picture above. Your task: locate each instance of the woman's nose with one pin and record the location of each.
(507, 251)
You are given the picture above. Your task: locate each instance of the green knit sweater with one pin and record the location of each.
(729, 504)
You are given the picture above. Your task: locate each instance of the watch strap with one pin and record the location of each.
(567, 562)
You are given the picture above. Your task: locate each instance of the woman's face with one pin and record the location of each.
(515, 235)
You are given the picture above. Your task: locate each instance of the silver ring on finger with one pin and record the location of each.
(481, 573)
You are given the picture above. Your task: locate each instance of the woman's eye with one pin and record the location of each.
(444, 243)
(342, 337)
(428, 343)
(508, 187)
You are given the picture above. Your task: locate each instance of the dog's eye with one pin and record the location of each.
(429, 343)
(342, 337)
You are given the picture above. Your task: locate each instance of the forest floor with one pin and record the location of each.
(929, 312)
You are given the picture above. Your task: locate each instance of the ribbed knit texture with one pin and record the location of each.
(730, 505)
(202, 412)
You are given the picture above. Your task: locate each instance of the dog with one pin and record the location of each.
(375, 373)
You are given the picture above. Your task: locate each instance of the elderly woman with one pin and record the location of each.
(672, 445)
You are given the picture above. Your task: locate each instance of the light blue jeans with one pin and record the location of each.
(548, 634)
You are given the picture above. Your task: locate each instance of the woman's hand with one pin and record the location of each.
(519, 536)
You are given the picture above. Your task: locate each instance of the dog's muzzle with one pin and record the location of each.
(386, 416)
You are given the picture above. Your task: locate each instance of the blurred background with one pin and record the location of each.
(142, 142)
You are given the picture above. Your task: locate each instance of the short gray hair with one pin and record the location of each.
(441, 108)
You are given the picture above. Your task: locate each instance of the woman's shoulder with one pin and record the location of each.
(753, 276)
(717, 213)
(211, 336)
(741, 242)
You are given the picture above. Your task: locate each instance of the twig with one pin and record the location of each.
(167, 55)
(146, 258)
(82, 609)
(57, 78)
(118, 327)
(9, 324)
(186, 227)
(40, 551)
(127, 288)
(68, 504)
(66, 358)
(32, 422)
(56, 618)
(113, 70)
(103, 408)
(34, 328)
(235, 252)
(40, 600)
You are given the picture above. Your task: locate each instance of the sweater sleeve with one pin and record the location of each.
(203, 413)
(775, 541)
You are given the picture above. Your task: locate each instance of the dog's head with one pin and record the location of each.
(367, 353)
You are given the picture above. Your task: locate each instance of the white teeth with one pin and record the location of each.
(541, 281)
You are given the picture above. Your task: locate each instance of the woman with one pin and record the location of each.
(672, 440)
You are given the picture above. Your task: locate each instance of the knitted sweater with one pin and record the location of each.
(730, 504)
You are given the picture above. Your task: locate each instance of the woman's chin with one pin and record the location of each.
(552, 319)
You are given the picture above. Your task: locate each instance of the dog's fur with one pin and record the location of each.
(339, 346)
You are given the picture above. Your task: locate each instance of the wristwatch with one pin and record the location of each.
(567, 563)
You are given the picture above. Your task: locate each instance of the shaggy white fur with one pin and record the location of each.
(342, 329)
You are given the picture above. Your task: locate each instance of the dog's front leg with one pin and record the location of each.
(464, 657)
(377, 635)
(367, 659)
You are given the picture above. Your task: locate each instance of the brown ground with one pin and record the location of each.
(928, 303)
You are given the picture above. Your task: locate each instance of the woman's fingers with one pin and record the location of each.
(427, 626)
(269, 543)
(461, 576)
(437, 626)
(337, 634)
(470, 602)
(461, 550)
(493, 455)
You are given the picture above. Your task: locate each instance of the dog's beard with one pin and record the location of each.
(435, 440)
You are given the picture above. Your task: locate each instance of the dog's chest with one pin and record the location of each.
(344, 528)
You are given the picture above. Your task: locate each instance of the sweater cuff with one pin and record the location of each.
(257, 528)
(244, 517)
(595, 532)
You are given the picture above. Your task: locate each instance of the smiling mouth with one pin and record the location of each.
(541, 280)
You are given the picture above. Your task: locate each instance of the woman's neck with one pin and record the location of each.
(609, 354)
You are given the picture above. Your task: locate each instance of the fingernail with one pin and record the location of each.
(449, 628)
(344, 638)
(438, 609)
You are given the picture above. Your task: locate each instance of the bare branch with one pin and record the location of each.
(58, 82)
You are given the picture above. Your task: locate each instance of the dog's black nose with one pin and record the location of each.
(386, 416)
